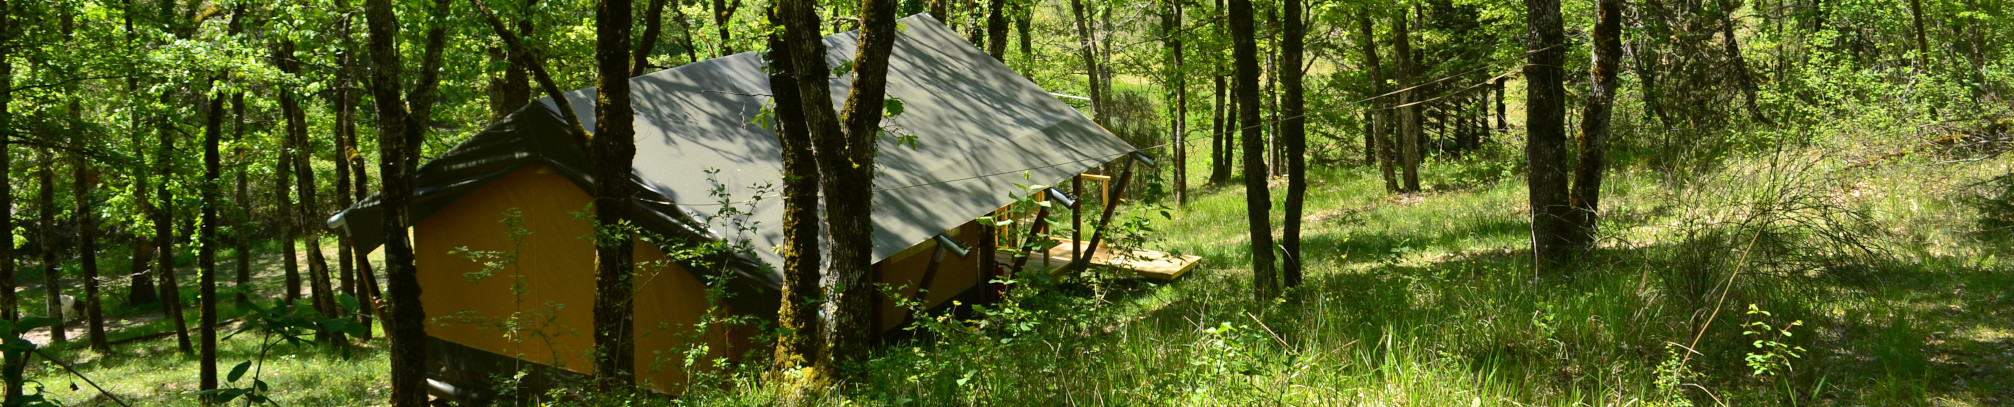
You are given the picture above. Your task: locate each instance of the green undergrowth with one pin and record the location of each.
(1850, 285)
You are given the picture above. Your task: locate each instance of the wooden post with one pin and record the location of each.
(1097, 236)
(1077, 219)
(988, 264)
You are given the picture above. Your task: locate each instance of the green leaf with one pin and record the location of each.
(891, 107)
(238, 371)
(347, 301)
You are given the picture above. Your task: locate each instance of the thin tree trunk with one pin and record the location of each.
(87, 249)
(685, 26)
(1275, 147)
(1233, 131)
(45, 209)
(538, 71)
(402, 124)
(340, 102)
(1503, 119)
(1545, 143)
(513, 91)
(1245, 53)
(366, 291)
(1220, 147)
(206, 250)
(1380, 116)
(723, 13)
(1024, 23)
(1594, 122)
(86, 254)
(1370, 138)
(797, 317)
(1409, 111)
(653, 24)
(241, 223)
(283, 179)
(996, 29)
(1181, 131)
(1293, 133)
(306, 213)
(164, 240)
(141, 289)
(1088, 48)
(355, 262)
(206, 236)
(86, 179)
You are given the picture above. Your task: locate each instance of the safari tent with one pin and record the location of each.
(978, 127)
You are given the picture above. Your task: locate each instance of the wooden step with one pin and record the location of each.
(1150, 264)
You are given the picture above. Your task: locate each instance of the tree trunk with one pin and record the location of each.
(1232, 130)
(1275, 146)
(402, 124)
(1594, 123)
(996, 29)
(797, 317)
(86, 256)
(1220, 147)
(538, 72)
(1171, 24)
(845, 158)
(1380, 117)
(1293, 133)
(306, 214)
(611, 149)
(1370, 139)
(1409, 111)
(206, 250)
(366, 290)
(45, 209)
(141, 289)
(9, 303)
(283, 213)
(340, 105)
(87, 242)
(241, 221)
(653, 24)
(1245, 53)
(1088, 48)
(164, 239)
(354, 262)
(723, 12)
(1503, 120)
(1024, 23)
(513, 91)
(1545, 143)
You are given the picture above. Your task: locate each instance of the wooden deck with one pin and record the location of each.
(1147, 263)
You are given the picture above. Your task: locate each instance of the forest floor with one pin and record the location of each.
(1890, 290)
